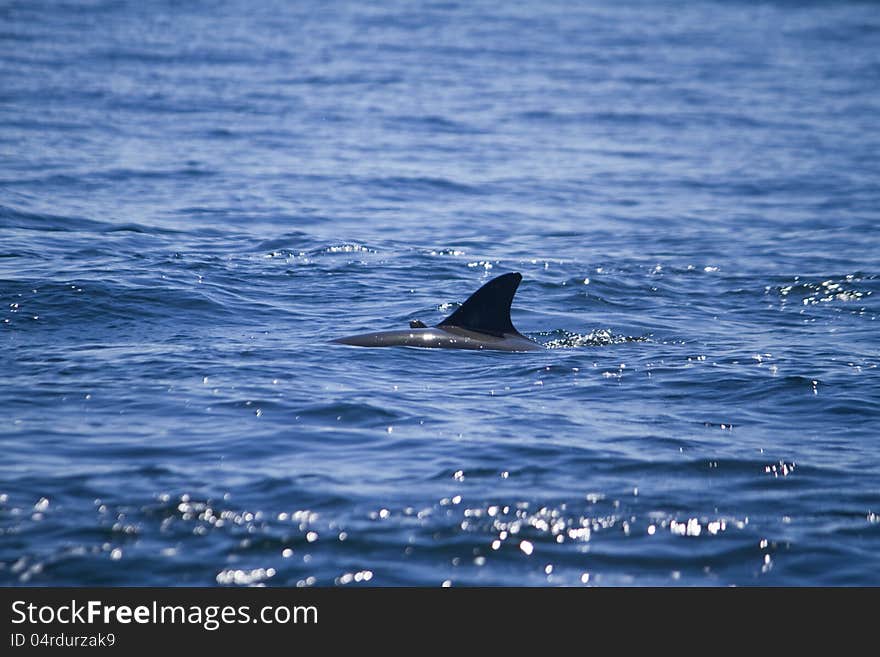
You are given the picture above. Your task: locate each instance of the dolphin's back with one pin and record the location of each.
(481, 322)
(439, 338)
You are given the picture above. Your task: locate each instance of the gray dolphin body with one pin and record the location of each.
(481, 322)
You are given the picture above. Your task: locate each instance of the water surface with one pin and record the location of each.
(195, 198)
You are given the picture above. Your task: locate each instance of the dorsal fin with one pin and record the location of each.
(488, 309)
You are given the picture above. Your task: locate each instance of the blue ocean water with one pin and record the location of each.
(195, 197)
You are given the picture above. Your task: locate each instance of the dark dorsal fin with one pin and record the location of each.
(488, 309)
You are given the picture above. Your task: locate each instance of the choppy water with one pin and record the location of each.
(194, 198)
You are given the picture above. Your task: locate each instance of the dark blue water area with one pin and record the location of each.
(196, 197)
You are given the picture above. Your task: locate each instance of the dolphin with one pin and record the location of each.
(481, 322)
